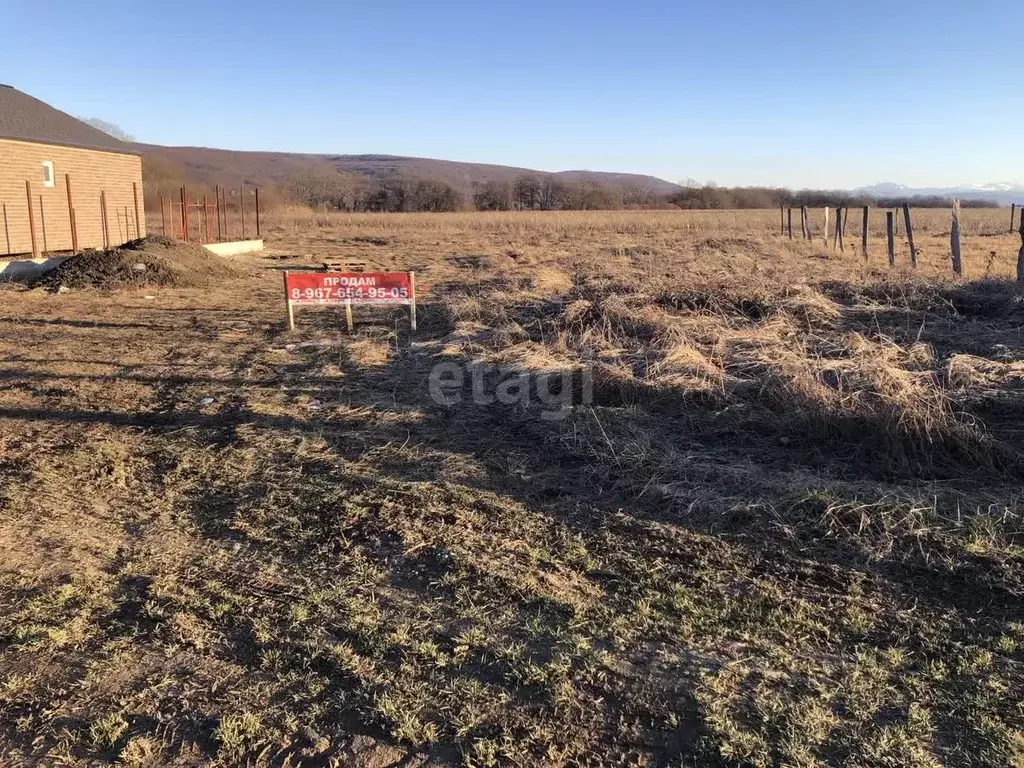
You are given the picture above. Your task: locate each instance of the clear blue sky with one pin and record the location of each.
(797, 94)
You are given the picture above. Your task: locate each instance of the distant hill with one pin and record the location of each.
(230, 167)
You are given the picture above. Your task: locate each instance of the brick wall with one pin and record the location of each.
(91, 172)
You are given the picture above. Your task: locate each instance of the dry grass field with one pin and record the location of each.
(785, 530)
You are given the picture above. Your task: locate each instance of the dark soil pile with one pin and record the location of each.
(151, 261)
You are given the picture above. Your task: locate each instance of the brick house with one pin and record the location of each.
(61, 157)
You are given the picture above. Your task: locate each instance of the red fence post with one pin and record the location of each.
(31, 220)
(184, 215)
(216, 202)
(103, 220)
(71, 214)
(138, 215)
(42, 223)
(224, 212)
(7, 231)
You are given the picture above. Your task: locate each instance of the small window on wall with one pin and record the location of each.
(48, 173)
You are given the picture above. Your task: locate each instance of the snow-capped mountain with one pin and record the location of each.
(1002, 192)
(998, 186)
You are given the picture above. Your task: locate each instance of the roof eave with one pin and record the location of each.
(126, 151)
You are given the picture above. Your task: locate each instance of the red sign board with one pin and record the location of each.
(348, 287)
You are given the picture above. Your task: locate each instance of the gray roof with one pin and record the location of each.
(25, 118)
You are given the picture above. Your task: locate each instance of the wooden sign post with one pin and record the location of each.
(891, 240)
(288, 304)
(840, 223)
(954, 240)
(412, 305)
(1020, 253)
(864, 234)
(910, 235)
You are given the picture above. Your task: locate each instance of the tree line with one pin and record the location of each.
(327, 188)
(710, 196)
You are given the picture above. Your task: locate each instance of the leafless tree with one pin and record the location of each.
(493, 196)
(526, 190)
